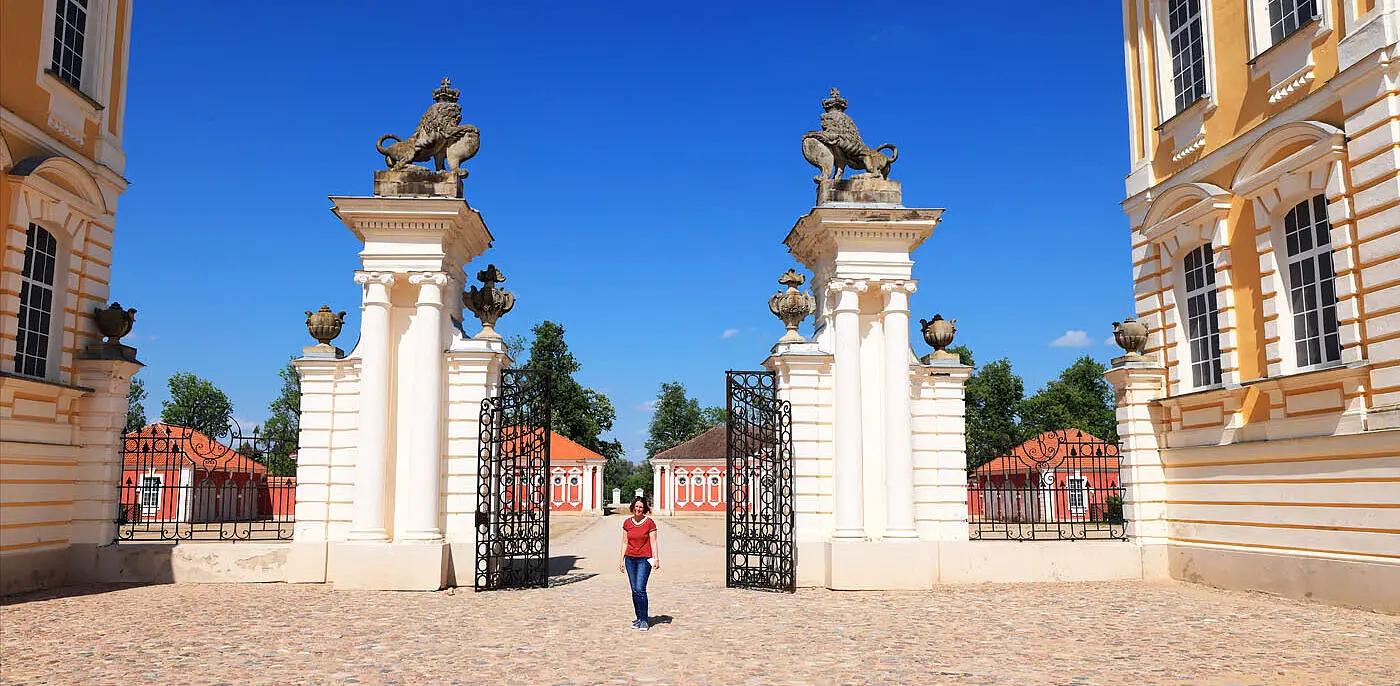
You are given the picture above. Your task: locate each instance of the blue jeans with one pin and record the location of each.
(638, 569)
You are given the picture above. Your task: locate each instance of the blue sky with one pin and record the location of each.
(639, 168)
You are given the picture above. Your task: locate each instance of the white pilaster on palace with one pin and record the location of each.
(387, 465)
(878, 437)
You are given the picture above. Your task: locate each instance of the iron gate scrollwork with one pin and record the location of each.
(760, 550)
(512, 515)
(1060, 485)
(182, 484)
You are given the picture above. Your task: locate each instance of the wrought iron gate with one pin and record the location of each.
(182, 484)
(760, 551)
(512, 512)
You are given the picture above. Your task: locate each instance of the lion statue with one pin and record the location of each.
(448, 155)
(440, 136)
(838, 145)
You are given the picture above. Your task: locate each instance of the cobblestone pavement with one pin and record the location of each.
(576, 632)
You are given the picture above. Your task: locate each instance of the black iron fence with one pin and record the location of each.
(180, 484)
(1060, 485)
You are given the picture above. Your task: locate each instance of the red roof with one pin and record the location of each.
(561, 448)
(707, 446)
(161, 444)
(1051, 449)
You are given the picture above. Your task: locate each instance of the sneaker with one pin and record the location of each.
(636, 624)
(641, 624)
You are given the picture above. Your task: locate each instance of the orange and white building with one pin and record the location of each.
(575, 477)
(691, 477)
(1261, 447)
(62, 97)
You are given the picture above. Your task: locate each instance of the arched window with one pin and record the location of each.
(1311, 292)
(36, 303)
(1202, 316)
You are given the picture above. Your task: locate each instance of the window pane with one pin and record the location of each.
(1312, 293)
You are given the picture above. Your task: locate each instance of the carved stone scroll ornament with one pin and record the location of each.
(791, 305)
(488, 303)
(441, 136)
(839, 145)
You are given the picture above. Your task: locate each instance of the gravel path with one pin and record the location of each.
(576, 632)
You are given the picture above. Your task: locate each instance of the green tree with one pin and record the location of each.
(994, 394)
(283, 427)
(677, 418)
(578, 413)
(198, 404)
(1081, 398)
(135, 407)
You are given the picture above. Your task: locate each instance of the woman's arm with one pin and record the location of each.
(622, 558)
(655, 551)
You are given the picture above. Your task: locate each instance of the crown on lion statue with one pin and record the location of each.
(835, 102)
(445, 92)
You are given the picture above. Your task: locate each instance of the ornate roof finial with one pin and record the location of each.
(835, 102)
(445, 92)
(490, 275)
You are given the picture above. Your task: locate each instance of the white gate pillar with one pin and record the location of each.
(371, 463)
(424, 408)
(899, 461)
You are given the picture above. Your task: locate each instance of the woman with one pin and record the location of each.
(640, 555)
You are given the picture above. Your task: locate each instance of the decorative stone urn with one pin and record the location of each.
(938, 333)
(324, 325)
(488, 303)
(791, 305)
(1131, 336)
(114, 322)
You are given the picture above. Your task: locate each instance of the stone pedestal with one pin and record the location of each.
(418, 182)
(859, 191)
(1137, 382)
(377, 438)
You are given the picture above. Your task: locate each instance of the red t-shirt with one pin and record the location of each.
(638, 536)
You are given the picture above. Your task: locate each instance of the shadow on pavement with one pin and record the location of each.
(659, 619)
(563, 564)
(566, 579)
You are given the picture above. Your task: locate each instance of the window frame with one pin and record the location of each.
(1167, 108)
(52, 359)
(1311, 254)
(1208, 291)
(142, 488)
(1275, 189)
(1179, 220)
(1287, 62)
(1082, 491)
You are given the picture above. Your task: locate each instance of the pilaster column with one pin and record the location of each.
(899, 460)
(371, 465)
(850, 521)
(425, 415)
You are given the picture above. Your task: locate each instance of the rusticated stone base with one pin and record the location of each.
(418, 181)
(859, 190)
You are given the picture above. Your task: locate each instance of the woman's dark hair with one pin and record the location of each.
(646, 509)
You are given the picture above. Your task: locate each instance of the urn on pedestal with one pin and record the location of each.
(1131, 336)
(791, 305)
(488, 303)
(324, 325)
(938, 333)
(113, 322)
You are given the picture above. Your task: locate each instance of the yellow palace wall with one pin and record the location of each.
(61, 168)
(1279, 479)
